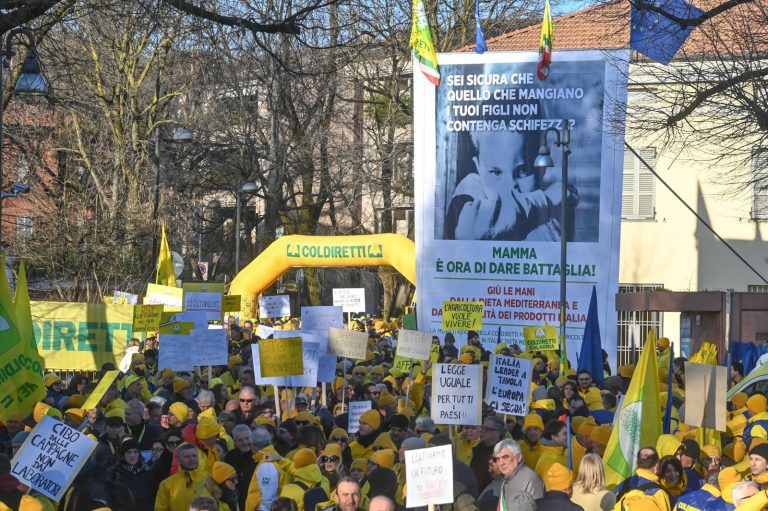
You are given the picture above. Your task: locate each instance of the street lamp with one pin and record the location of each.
(30, 82)
(250, 188)
(179, 136)
(543, 161)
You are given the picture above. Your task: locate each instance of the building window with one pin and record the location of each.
(24, 226)
(760, 184)
(757, 288)
(638, 197)
(633, 326)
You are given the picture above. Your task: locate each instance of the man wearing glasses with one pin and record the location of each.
(248, 403)
(492, 432)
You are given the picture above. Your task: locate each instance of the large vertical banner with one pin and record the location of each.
(488, 221)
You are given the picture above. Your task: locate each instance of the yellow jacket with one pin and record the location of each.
(550, 454)
(463, 449)
(284, 469)
(530, 452)
(311, 477)
(359, 451)
(27, 504)
(754, 503)
(178, 491)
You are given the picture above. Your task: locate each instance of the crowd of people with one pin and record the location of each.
(214, 439)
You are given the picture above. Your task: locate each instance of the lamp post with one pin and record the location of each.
(179, 136)
(543, 161)
(30, 82)
(249, 188)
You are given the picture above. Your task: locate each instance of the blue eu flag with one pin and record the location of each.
(480, 46)
(591, 356)
(654, 35)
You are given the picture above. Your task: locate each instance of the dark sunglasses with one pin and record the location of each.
(301, 423)
(246, 400)
(329, 459)
(339, 439)
(358, 374)
(170, 443)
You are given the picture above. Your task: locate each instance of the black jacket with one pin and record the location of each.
(556, 501)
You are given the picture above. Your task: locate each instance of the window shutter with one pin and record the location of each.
(759, 185)
(628, 186)
(646, 196)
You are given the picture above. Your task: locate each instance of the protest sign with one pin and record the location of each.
(321, 318)
(264, 331)
(258, 378)
(276, 306)
(706, 407)
(176, 347)
(131, 299)
(509, 385)
(104, 384)
(349, 299)
(416, 345)
(231, 303)
(462, 316)
(209, 303)
(281, 357)
(492, 108)
(457, 394)
(81, 336)
(249, 307)
(347, 343)
(51, 457)
(404, 364)
(540, 338)
(198, 318)
(311, 347)
(116, 300)
(326, 368)
(429, 476)
(356, 409)
(209, 346)
(146, 318)
(171, 297)
(125, 363)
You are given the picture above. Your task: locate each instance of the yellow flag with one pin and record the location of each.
(21, 384)
(638, 423)
(23, 312)
(165, 274)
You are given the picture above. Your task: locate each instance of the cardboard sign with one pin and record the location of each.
(264, 331)
(321, 318)
(258, 378)
(356, 409)
(509, 385)
(146, 318)
(51, 457)
(277, 306)
(231, 303)
(198, 318)
(106, 381)
(281, 357)
(349, 299)
(457, 391)
(326, 369)
(540, 338)
(706, 407)
(404, 364)
(311, 352)
(415, 345)
(125, 362)
(347, 343)
(462, 316)
(171, 297)
(131, 299)
(209, 347)
(209, 303)
(176, 347)
(249, 308)
(429, 476)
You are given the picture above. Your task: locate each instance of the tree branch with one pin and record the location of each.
(642, 5)
(288, 26)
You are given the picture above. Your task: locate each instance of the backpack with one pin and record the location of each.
(630, 499)
(312, 496)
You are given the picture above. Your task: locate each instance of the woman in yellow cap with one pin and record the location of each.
(222, 485)
(331, 465)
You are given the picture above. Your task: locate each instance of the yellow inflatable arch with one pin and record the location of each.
(331, 251)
